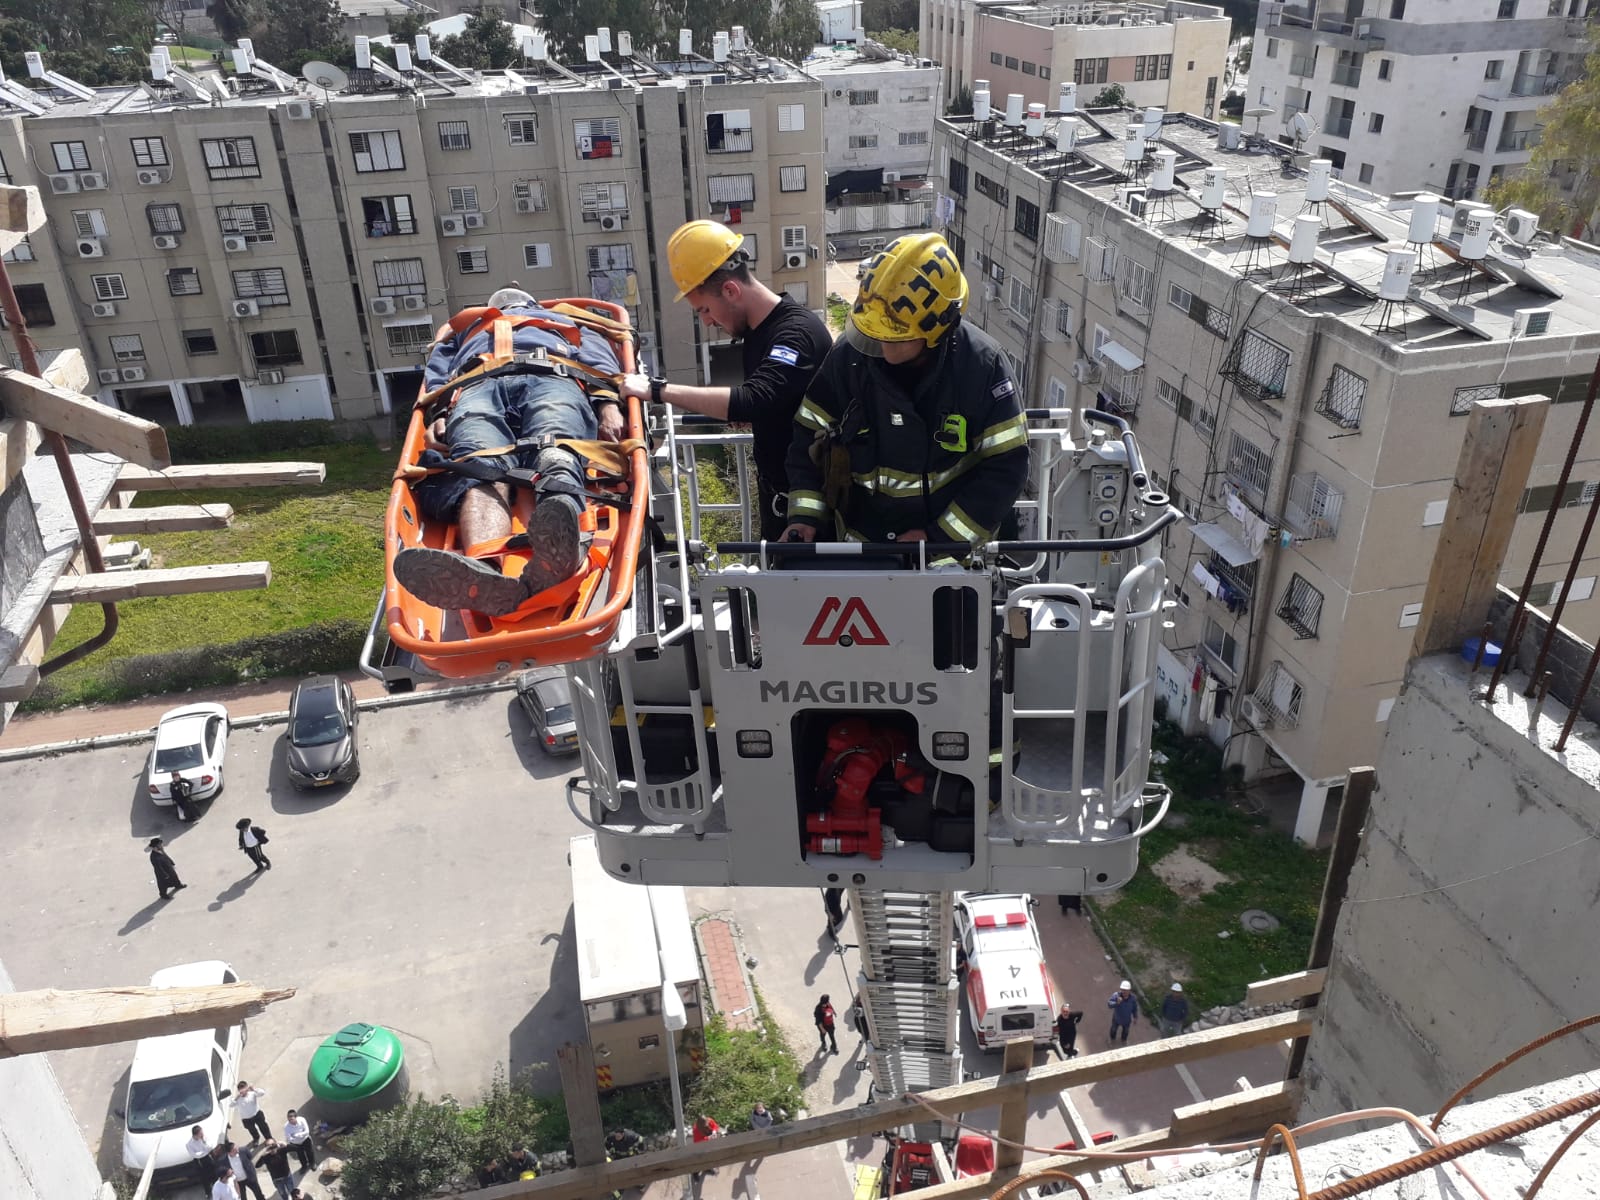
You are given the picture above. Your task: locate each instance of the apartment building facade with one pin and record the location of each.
(1407, 95)
(279, 256)
(1308, 428)
(1167, 54)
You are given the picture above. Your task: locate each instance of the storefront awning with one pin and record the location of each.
(1234, 552)
(1120, 356)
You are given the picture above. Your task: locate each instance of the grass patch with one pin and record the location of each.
(324, 544)
(1162, 934)
(743, 1066)
(838, 310)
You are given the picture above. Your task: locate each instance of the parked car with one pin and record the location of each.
(190, 743)
(322, 733)
(546, 697)
(1010, 995)
(180, 1080)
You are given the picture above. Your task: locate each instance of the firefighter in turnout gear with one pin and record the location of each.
(912, 430)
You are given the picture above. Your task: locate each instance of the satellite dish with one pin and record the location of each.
(1259, 111)
(1302, 128)
(325, 76)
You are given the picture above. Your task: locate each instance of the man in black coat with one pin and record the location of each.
(167, 881)
(1067, 1031)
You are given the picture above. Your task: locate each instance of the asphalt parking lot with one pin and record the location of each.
(432, 896)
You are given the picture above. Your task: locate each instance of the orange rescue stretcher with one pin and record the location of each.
(572, 621)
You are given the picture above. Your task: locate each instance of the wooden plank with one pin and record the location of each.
(68, 370)
(21, 213)
(576, 1063)
(176, 581)
(18, 682)
(1255, 1108)
(1013, 1113)
(52, 1019)
(1285, 988)
(170, 518)
(19, 438)
(1491, 473)
(83, 419)
(980, 1187)
(584, 1183)
(220, 475)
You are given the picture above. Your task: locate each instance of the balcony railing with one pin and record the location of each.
(1339, 128)
(390, 227)
(1516, 141)
(1534, 85)
(1300, 16)
(1347, 76)
(732, 141)
(1303, 65)
(1477, 139)
(1336, 24)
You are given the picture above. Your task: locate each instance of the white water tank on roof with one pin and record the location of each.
(685, 41)
(363, 53)
(1067, 134)
(1318, 173)
(1475, 239)
(1214, 190)
(981, 108)
(625, 43)
(738, 37)
(1014, 102)
(402, 56)
(604, 34)
(1033, 124)
(1133, 147)
(1424, 218)
(1263, 211)
(1153, 118)
(1303, 243)
(719, 45)
(591, 47)
(1067, 97)
(1397, 271)
(539, 47)
(1165, 177)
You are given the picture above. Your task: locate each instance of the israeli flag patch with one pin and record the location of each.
(1002, 389)
(785, 355)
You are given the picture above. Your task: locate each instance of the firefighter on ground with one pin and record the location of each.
(783, 345)
(913, 429)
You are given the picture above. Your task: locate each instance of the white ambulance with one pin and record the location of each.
(1010, 996)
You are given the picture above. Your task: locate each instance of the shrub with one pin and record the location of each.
(743, 1066)
(510, 1116)
(405, 1152)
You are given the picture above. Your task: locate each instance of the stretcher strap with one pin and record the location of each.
(610, 457)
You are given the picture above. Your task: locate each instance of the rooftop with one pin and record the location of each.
(1103, 14)
(1456, 289)
(870, 58)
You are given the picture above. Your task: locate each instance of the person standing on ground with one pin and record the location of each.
(248, 1100)
(1174, 1011)
(823, 1015)
(784, 344)
(297, 1133)
(833, 902)
(167, 881)
(275, 1161)
(1123, 1007)
(225, 1188)
(242, 1166)
(760, 1118)
(1067, 1031)
(704, 1130)
(200, 1150)
(251, 840)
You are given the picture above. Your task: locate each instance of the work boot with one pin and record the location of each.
(555, 551)
(450, 581)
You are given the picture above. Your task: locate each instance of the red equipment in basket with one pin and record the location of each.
(857, 752)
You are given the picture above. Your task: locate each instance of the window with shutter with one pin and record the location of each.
(377, 151)
(522, 129)
(463, 199)
(472, 262)
(109, 287)
(731, 189)
(230, 158)
(792, 179)
(598, 138)
(791, 118)
(127, 347)
(536, 254)
(400, 277)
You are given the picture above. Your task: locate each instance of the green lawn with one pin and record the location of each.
(1166, 935)
(324, 544)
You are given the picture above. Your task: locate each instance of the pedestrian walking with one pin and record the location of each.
(823, 1016)
(242, 1167)
(833, 902)
(1123, 1007)
(275, 1160)
(200, 1150)
(248, 1100)
(297, 1133)
(251, 840)
(704, 1130)
(181, 790)
(167, 881)
(1174, 1011)
(1067, 1031)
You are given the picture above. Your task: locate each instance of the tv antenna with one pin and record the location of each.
(325, 76)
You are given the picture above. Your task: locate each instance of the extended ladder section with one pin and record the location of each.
(908, 989)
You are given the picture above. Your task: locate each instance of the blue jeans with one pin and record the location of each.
(496, 412)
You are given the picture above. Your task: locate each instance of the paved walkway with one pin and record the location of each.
(724, 966)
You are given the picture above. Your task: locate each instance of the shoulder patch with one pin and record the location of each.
(1002, 389)
(785, 355)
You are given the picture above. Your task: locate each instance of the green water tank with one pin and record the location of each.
(357, 1071)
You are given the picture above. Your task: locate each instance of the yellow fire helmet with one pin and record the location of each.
(911, 290)
(698, 249)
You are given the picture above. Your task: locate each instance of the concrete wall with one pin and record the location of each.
(42, 1152)
(1463, 936)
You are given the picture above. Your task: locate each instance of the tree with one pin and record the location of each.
(232, 18)
(793, 33)
(296, 28)
(903, 40)
(484, 43)
(890, 14)
(960, 104)
(1111, 97)
(1560, 182)
(406, 26)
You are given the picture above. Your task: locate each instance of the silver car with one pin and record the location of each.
(546, 697)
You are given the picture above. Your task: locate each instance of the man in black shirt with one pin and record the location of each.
(784, 344)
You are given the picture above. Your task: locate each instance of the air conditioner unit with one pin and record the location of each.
(246, 308)
(414, 303)
(61, 185)
(1522, 226)
(234, 244)
(452, 227)
(1255, 712)
(525, 204)
(91, 247)
(298, 110)
(1531, 322)
(1085, 371)
(111, 376)
(103, 309)
(1463, 212)
(92, 181)
(269, 376)
(891, 176)
(814, 250)
(132, 374)
(794, 260)
(166, 241)
(611, 222)
(472, 220)
(150, 178)
(382, 306)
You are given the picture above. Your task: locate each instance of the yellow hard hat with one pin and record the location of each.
(529, 1175)
(698, 249)
(911, 290)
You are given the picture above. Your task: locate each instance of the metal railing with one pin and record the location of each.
(1303, 64)
(1477, 139)
(390, 227)
(1347, 76)
(1515, 141)
(1534, 85)
(1297, 16)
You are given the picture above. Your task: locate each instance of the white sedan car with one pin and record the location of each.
(190, 743)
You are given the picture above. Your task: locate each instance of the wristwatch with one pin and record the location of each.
(657, 382)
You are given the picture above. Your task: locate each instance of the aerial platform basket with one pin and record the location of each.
(572, 622)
